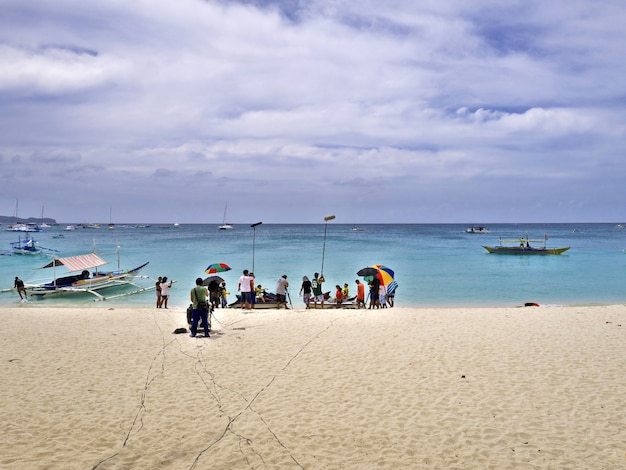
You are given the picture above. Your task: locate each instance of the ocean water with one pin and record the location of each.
(435, 264)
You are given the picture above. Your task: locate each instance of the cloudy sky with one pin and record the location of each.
(397, 111)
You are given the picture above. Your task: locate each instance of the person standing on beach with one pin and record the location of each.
(253, 298)
(382, 294)
(214, 293)
(157, 288)
(360, 294)
(316, 285)
(281, 291)
(198, 296)
(223, 295)
(245, 287)
(305, 291)
(374, 294)
(165, 291)
(19, 285)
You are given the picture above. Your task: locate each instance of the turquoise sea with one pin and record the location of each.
(435, 264)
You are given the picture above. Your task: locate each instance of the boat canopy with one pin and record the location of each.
(77, 263)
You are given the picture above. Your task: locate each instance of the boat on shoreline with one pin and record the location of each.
(79, 279)
(522, 246)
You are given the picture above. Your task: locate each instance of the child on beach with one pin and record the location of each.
(345, 292)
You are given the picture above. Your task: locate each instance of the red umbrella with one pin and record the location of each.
(217, 268)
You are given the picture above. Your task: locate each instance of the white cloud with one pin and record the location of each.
(426, 99)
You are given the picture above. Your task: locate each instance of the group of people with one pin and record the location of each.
(378, 295)
(218, 295)
(162, 287)
(311, 291)
(250, 294)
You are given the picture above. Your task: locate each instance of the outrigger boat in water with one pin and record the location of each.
(28, 246)
(524, 247)
(83, 281)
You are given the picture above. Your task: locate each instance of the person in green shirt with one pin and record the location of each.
(316, 285)
(198, 296)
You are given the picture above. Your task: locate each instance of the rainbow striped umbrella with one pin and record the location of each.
(217, 268)
(385, 274)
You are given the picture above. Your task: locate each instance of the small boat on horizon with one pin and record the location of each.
(476, 229)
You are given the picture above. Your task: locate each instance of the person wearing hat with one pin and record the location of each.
(306, 289)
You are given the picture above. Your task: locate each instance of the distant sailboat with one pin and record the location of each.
(111, 224)
(43, 224)
(224, 225)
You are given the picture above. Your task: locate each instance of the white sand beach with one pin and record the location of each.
(500, 388)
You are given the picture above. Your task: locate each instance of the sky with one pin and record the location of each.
(154, 111)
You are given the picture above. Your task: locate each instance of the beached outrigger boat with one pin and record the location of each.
(84, 281)
(524, 247)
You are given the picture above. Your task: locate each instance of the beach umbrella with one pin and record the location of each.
(385, 274)
(369, 271)
(217, 268)
(210, 279)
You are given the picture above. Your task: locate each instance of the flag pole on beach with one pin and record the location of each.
(254, 226)
(326, 219)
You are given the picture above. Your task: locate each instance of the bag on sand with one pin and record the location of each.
(189, 313)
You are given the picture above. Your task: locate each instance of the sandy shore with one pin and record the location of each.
(499, 388)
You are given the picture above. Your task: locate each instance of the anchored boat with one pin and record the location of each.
(476, 229)
(522, 246)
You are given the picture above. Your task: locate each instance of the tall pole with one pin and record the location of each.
(253, 240)
(326, 219)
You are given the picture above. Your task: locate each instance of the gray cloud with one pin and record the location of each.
(450, 109)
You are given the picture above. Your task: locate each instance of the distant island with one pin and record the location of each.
(5, 219)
